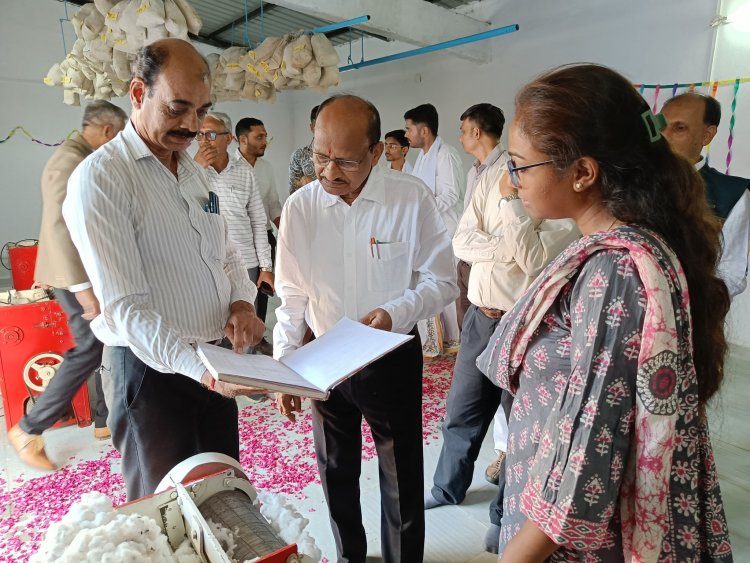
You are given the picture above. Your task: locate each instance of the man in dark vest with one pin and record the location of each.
(692, 122)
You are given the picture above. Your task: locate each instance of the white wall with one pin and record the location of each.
(30, 39)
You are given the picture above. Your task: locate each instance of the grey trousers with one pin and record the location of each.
(160, 419)
(79, 363)
(471, 406)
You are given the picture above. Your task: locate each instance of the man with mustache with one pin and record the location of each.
(164, 270)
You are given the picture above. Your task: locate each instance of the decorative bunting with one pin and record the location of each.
(730, 140)
(656, 97)
(30, 136)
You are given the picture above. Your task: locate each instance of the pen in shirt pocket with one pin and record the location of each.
(213, 203)
(375, 245)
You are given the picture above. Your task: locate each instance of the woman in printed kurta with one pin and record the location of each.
(609, 456)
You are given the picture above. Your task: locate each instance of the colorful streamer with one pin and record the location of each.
(656, 97)
(714, 89)
(730, 140)
(693, 85)
(30, 136)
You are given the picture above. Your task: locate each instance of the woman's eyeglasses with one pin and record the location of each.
(513, 170)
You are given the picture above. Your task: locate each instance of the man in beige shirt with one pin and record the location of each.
(59, 266)
(481, 128)
(507, 250)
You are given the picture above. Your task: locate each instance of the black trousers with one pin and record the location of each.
(261, 302)
(160, 419)
(471, 405)
(388, 393)
(79, 363)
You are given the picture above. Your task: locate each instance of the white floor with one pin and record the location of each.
(455, 534)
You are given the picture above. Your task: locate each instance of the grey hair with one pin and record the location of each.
(101, 112)
(223, 117)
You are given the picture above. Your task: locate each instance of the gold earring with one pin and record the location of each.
(578, 186)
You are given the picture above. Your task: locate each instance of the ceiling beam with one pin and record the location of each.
(412, 21)
(241, 20)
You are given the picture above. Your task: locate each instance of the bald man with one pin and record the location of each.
(365, 243)
(692, 122)
(164, 270)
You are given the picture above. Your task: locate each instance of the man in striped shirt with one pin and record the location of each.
(240, 200)
(165, 272)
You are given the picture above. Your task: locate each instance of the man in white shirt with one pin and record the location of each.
(240, 201)
(692, 122)
(164, 270)
(252, 139)
(439, 166)
(396, 149)
(365, 243)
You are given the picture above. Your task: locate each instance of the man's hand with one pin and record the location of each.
(378, 318)
(89, 302)
(288, 405)
(243, 328)
(506, 188)
(206, 155)
(266, 277)
(228, 389)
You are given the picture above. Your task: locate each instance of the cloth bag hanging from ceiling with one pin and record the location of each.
(150, 13)
(311, 74)
(323, 50)
(230, 59)
(121, 64)
(104, 6)
(329, 76)
(287, 67)
(175, 20)
(301, 51)
(192, 19)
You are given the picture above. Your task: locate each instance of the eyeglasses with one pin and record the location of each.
(393, 146)
(347, 165)
(513, 170)
(209, 135)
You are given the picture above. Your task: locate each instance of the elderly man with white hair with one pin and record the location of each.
(240, 201)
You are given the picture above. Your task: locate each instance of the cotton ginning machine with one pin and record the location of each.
(213, 487)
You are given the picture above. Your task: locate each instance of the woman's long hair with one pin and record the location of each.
(590, 110)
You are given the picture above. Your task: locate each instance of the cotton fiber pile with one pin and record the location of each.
(110, 32)
(92, 531)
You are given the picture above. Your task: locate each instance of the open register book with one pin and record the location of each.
(310, 371)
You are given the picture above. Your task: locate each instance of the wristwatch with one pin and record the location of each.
(263, 269)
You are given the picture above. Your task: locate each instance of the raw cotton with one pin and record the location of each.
(289, 524)
(93, 532)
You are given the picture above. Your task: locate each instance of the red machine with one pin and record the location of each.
(33, 338)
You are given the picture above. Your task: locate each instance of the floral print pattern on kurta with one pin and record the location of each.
(608, 452)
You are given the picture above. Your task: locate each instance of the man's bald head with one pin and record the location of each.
(353, 110)
(151, 60)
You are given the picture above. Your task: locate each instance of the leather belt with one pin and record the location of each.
(492, 313)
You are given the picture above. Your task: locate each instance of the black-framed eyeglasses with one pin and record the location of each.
(209, 135)
(347, 165)
(513, 170)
